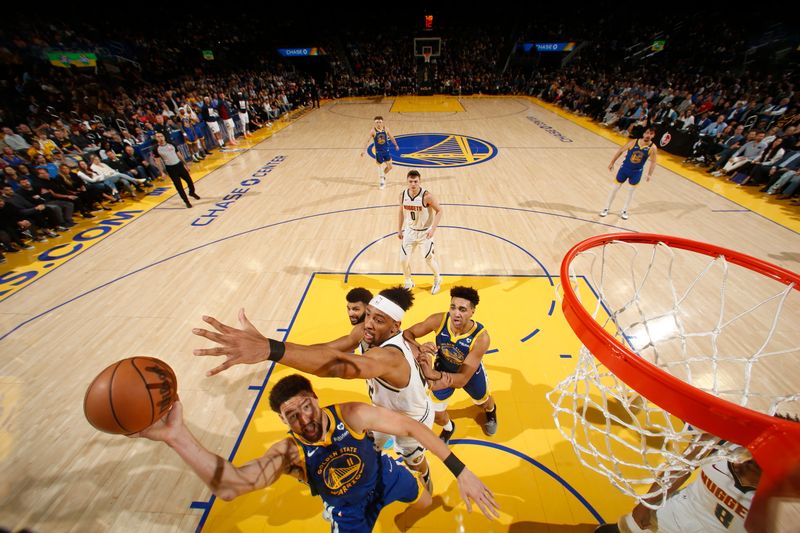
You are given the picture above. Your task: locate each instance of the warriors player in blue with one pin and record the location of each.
(380, 136)
(460, 346)
(329, 449)
(386, 362)
(637, 152)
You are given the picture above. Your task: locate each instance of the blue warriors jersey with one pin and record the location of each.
(381, 140)
(343, 467)
(636, 157)
(452, 350)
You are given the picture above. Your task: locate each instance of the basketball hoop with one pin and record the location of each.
(427, 51)
(665, 363)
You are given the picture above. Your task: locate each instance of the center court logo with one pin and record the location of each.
(439, 150)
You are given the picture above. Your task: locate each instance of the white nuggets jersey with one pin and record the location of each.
(713, 502)
(416, 216)
(411, 400)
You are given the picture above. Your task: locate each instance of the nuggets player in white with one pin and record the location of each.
(420, 214)
(717, 501)
(388, 364)
(380, 136)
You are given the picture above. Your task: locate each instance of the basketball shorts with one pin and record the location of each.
(213, 127)
(477, 387)
(413, 238)
(382, 157)
(396, 484)
(631, 176)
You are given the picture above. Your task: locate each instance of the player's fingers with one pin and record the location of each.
(210, 335)
(217, 369)
(244, 321)
(219, 326)
(219, 350)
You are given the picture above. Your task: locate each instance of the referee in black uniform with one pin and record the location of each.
(176, 167)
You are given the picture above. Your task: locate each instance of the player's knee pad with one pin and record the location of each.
(415, 458)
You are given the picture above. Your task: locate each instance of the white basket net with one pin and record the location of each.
(720, 327)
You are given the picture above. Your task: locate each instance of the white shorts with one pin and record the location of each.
(213, 126)
(413, 238)
(244, 118)
(229, 125)
(408, 447)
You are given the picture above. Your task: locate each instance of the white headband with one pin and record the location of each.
(387, 306)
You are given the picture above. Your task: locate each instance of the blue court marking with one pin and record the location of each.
(538, 465)
(259, 228)
(199, 505)
(281, 330)
(531, 334)
(255, 402)
(565, 356)
(544, 269)
(494, 350)
(606, 309)
(552, 308)
(254, 387)
(730, 211)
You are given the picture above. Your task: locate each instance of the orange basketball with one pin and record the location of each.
(130, 395)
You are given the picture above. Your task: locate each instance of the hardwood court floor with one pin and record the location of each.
(312, 205)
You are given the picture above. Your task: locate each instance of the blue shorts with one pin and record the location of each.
(396, 484)
(382, 157)
(477, 387)
(631, 176)
(190, 135)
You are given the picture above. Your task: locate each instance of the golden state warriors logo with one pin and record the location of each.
(451, 354)
(637, 156)
(440, 150)
(341, 470)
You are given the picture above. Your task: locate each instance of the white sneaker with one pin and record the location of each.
(604, 212)
(624, 215)
(409, 284)
(437, 285)
(382, 183)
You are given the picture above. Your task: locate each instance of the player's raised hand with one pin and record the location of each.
(472, 489)
(239, 346)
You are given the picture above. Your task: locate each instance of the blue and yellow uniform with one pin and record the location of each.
(632, 166)
(353, 479)
(188, 129)
(381, 140)
(451, 353)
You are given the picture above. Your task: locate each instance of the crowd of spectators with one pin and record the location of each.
(76, 139)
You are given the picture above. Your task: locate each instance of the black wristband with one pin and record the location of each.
(454, 464)
(276, 350)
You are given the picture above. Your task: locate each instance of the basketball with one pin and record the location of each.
(130, 395)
